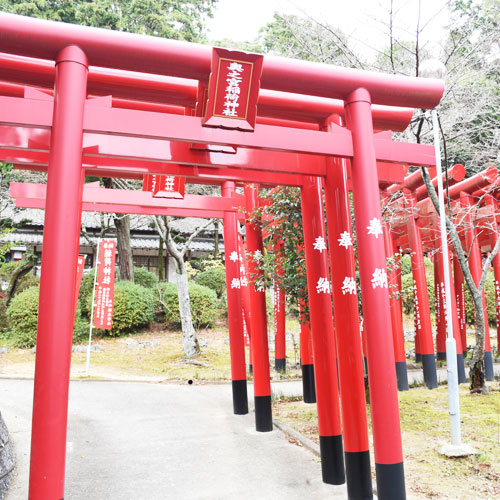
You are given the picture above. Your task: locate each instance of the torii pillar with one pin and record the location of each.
(58, 279)
(234, 307)
(376, 314)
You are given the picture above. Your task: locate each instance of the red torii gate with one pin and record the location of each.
(73, 120)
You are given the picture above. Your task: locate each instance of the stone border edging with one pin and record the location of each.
(305, 442)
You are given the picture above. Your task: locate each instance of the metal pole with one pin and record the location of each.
(451, 346)
(87, 364)
(57, 286)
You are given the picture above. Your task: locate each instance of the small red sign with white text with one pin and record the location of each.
(79, 274)
(164, 186)
(233, 90)
(105, 291)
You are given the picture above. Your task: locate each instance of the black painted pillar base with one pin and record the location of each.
(489, 373)
(359, 476)
(441, 356)
(430, 373)
(332, 459)
(240, 398)
(461, 369)
(402, 375)
(280, 364)
(390, 481)
(263, 414)
(418, 357)
(308, 384)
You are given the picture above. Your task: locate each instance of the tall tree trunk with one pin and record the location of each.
(189, 340)
(122, 225)
(126, 265)
(477, 374)
(161, 262)
(216, 239)
(25, 267)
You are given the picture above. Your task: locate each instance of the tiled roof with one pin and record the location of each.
(25, 238)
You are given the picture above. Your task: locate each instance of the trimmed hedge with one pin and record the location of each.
(133, 308)
(215, 279)
(407, 291)
(489, 291)
(203, 305)
(22, 315)
(85, 295)
(145, 278)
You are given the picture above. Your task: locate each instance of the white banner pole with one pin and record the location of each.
(87, 365)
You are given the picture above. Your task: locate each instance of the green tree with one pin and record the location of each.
(176, 19)
(300, 38)
(281, 220)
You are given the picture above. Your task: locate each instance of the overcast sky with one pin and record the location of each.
(363, 20)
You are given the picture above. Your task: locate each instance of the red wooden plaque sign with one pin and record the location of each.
(233, 90)
(79, 273)
(105, 291)
(164, 186)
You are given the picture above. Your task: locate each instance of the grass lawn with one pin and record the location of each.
(425, 426)
(154, 355)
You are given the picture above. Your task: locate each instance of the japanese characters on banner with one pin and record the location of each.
(233, 90)
(418, 324)
(164, 186)
(242, 281)
(497, 293)
(79, 273)
(105, 291)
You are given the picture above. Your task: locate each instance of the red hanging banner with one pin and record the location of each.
(164, 186)
(105, 291)
(79, 273)
(233, 90)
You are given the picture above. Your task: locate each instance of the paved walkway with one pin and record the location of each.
(158, 441)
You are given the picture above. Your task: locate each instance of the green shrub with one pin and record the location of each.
(215, 279)
(407, 291)
(22, 315)
(81, 327)
(145, 278)
(85, 295)
(222, 305)
(405, 264)
(3, 315)
(203, 304)
(489, 290)
(133, 308)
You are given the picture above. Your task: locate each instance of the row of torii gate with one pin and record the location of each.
(118, 109)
